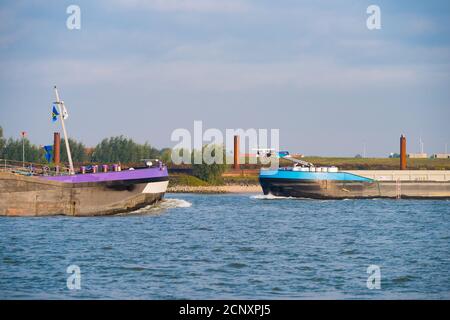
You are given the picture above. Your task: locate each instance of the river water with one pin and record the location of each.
(234, 246)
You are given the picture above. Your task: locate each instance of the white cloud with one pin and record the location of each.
(215, 77)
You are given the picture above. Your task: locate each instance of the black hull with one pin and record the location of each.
(335, 189)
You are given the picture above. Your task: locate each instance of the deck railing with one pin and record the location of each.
(31, 169)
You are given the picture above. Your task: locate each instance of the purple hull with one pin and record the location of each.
(134, 175)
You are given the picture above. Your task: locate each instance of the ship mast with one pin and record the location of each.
(66, 138)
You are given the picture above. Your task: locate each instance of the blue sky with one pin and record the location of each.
(309, 68)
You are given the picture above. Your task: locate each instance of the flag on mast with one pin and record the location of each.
(65, 114)
(55, 114)
(48, 153)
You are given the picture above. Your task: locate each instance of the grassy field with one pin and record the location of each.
(191, 181)
(239, 180)
(186, 180)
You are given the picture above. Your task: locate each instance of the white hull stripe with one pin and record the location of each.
(156, 187)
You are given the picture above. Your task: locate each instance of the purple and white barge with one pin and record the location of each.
(26, 192)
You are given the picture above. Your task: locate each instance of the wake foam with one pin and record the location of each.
(269, 197)
(272, 197)
(161, 206)
(175, 203)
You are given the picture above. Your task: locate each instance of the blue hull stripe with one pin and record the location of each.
(301, 175)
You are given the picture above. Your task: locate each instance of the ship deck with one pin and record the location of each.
(403, 175)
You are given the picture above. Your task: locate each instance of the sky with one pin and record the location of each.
(311, 69)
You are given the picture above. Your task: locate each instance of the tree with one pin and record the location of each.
(166, 155)
(121, 149)
(13, 151)
(180, 156)
(211, 173)
(2, 142)
(114, 149)
(77, 150)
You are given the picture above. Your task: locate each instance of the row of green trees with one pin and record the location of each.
(77, 149)
(12, 149)
(121, 149)
(115, 149)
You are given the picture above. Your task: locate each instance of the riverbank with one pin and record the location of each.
(183, 183)
(215, 189)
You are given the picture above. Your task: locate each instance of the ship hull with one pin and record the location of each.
(325, 187)
(34, 196)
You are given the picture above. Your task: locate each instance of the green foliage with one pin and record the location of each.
(114, 149)
(13, 151)
(182, 156)
(121, 149)
(242, 180)
(166, 155)
(212, 173)
(186, 180)
(77, 149)
(2, 142)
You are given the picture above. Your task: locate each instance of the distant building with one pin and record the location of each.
(417, 155)
(298, 155)
(394, 155)
(441, 156)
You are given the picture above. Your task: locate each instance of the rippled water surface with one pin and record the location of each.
(234, 246)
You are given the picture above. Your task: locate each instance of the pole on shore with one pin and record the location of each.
(402, 152)
(23, 133)
(236, 153)
(23, 152)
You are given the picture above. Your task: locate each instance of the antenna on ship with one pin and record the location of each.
(61, 110)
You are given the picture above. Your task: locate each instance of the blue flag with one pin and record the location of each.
(55, 114)
(48, 153)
